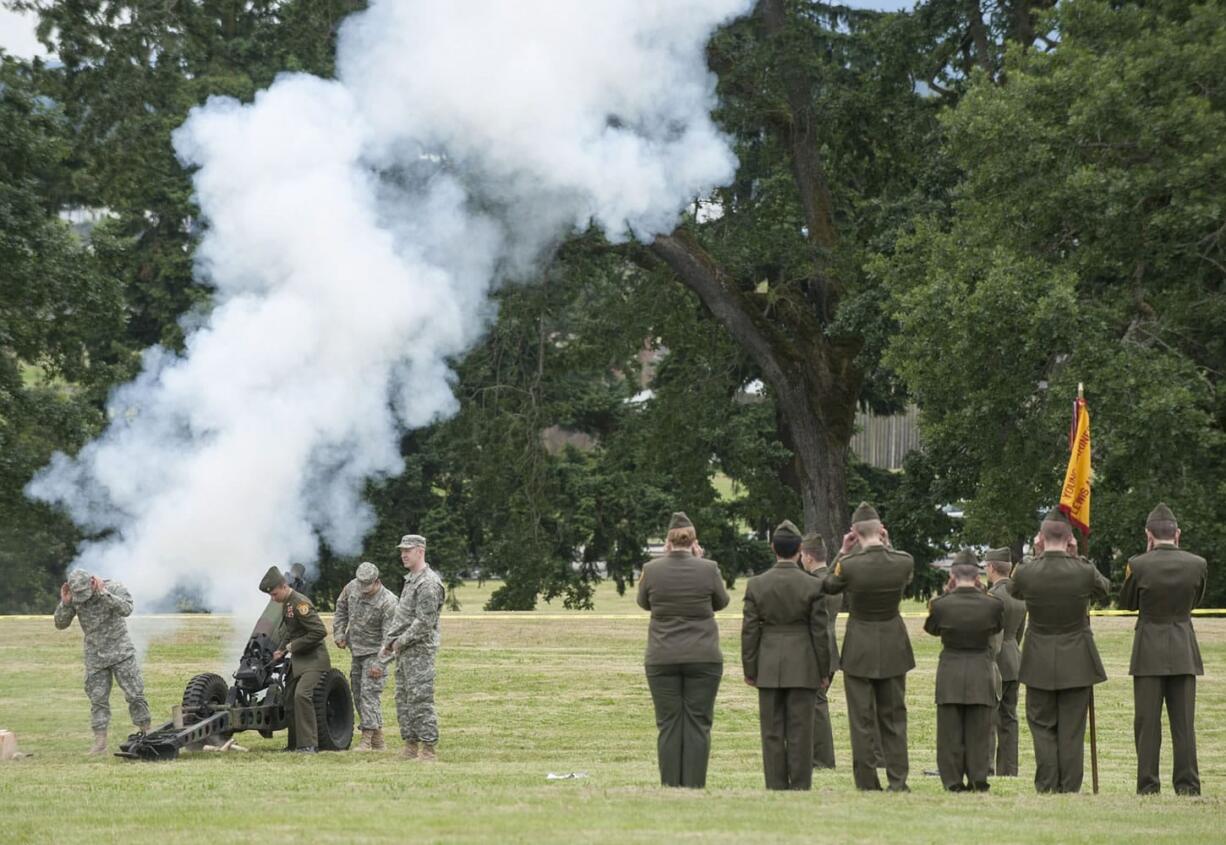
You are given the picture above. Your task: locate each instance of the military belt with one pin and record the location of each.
(1164, 620)
(1069, 628)
(874, 615)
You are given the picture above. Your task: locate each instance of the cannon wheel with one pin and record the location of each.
(333, 711)
(201, 692)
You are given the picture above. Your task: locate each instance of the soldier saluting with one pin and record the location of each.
(1164, 584)
(967, 690)
(813, 559)
(1060, 664)
(1008, 660)
(785, 653)
(100, 607)
(877, 652)
(303, 640)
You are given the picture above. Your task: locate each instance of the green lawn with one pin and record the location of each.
(521, 695)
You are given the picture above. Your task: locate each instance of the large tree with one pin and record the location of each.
(1087, 244)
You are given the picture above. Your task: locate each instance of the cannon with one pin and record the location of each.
(212, 710)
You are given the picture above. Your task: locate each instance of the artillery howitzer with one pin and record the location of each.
(212, 710)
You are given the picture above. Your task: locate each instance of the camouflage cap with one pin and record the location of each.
(813, 544)
(412, 541)
(272, 579)
(367, 573)
(679, 520)
(80, 585)
(965, 558)
(864, 513)
(1161, 513)
(1001, 554)
(786, 530)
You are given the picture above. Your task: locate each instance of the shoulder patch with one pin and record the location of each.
(1127, 571)
(303, 609)
(838, 567)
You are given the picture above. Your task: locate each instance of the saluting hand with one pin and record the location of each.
(849, 542)
(696, 549)
(65, 593)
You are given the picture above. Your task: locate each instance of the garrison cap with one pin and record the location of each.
(272, 579)
(679, 520)
(812, 543)
(1057, 515)
(1160, 514)
(965, 558)
(1002, 554)
(786, 530)
(367, 573)
(412, 541)
(80, 586)
(864, 513)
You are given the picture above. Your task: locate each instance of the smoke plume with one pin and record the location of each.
(355, 227)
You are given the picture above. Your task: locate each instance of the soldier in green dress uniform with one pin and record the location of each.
(785, 654)
(1164, 584)
(683, 663)
(304, 640)
(1008, 661)
(1060, 663)
(813, 559)
(968, 685)
(876, 649)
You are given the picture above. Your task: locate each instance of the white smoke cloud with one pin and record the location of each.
(355, 228)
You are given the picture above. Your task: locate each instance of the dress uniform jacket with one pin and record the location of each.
(1009, 658)
(683, 593)
(1164, 585)
(1060, 652)
(966, 620)
(784, 637)
(875, 643)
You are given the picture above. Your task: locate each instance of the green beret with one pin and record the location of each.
(864, 513)
(786, 530)
(272, 579)
(679, 520)
(1160, 514)
(813, 544)
(965, 557)
(1002, 553)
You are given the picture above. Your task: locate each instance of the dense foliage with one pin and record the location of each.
(969, 206)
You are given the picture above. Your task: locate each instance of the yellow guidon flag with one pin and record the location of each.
(1075, 495)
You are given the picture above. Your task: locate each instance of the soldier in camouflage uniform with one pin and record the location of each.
(100, 607)
(414, 640)
(362, 623)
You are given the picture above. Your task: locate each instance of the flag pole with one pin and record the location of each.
(1093, 721)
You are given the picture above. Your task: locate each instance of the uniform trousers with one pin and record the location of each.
(964, 734)
(127, 674)
(300, 697)
(684, 698)
(878, 705)
(1179, 692)
(823, 735)
(1057, 720)
(1004, 733)
(785, 717)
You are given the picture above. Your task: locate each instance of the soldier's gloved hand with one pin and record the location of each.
(65, 594)
(376, 672)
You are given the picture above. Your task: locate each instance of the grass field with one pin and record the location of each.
(521, 695)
